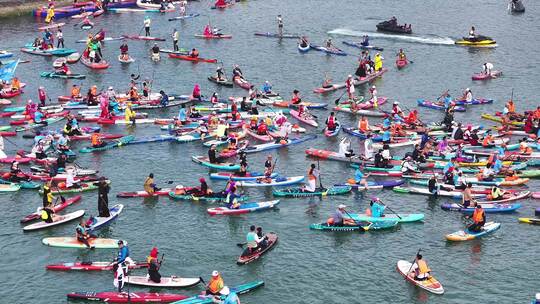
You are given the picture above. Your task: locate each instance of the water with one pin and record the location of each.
(306, 266)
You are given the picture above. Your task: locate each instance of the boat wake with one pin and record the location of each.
(407, 38)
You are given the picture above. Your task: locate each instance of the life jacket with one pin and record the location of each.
(511, 107)
(41, 94)
(295, 99)
(331, 122)
(44, 215)
(262, 129)
(75, 91)
(15, 84)
(364, 125)
(311, 176)
(133, 94)
(96, 139)
(422, 267)
(478, 215)
(216, 284)
(487, 140)
(495, 193)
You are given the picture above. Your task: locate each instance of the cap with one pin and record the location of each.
(215, 273)
(341, 206)
(396, 102)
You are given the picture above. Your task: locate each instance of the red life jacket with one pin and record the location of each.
(331, 122)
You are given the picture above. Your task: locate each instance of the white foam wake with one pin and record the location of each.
(408, 38)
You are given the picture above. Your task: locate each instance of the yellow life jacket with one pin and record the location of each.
(422, 267)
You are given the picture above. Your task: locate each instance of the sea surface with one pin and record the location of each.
(306, 266)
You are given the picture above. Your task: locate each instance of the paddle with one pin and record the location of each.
(414, 261)
(339, 98)
(241, 245)
(161, 261)
(320, 175)
(387, 207)
(444, 93)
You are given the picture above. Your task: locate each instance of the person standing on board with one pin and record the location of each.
(280, 25)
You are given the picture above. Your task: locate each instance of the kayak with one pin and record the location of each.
(72, 242)
(218, 36)
(333, 133)
(162, 192)
(431, 284)
(304, 49)
(401, 63)
(203, 160)
(193, 59)
(276, 35)
(58, 220)
(488, 208)
(485, 76)
(99, 221)
(401, 218)
(244, 84)
(387, 26)
(528, 220)
(91, 266)
(271, 238)
(437, 106)
(307, 120)
(188, 16)
(128, 60)
(277, 181)
(281, 144)
(244, 208)
(333, 51)
(56, 208)
(135, 37)
(299, 192)
(64, 76)
(225, 83)
(248, 177)
(265, 138)
(466, 235)
(122, 297)
(170, 282)
(239, 289)
(113, 144)
(357, 82)
(362, 226)
(363, 47)
(94, 65)
(479, 41)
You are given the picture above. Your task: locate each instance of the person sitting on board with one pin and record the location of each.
(409, 166)
(419, 270)
(524, 148)
(338, 219)
(296, 97)
(329, 45)
(149, 185)
(331, 122)
(479, 219)
(232, 198)
(213, 158)
(262, 128)
(96, 140)
(487, 67)
(472, 33)
(312, 176)
(237, 72)
(82, 234)
(215, 284)
(196, 93)
(243, 166)
(376, 208)
(155, 51)
(220, 75)
(365, 40)
(487, 173)
(304, 43)
(345, 147)
(497, 193)
(327, 82)
(124, 48)
(264, 240)
(71, 182)
(360, 178)
(401, 55)
(194, 53)
(153, 266)
(253, 240)
(379, 160)
(267, 87)
(47, 214)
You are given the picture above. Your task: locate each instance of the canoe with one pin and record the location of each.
(63, 76)
(328, 51)
(273, 145)
(192, 59)
(401, 63)
(304, 49)
(488, 208)
(218, 36)
(58, 220)
(436, 106)
(360, 46)
(111, 145)
(188, 16)
(239, 289)
(277, 181)
(225, 83)
(100, 222)
(203, 160)
(431, 284)
(162, 192)
(123, 297)
(71, 242)
(310, 121)
(476, 101)
(276, 35)
(137, 37)
(90, 266)
(94, 65)
(128, 60)
(299, 192)
(485, 76)
(333, 133)
(528, 220)
(244, 208)
(171, 282)
(405, 218)
(362, 226)
(248, 177)
(272, 239)
(466, 235)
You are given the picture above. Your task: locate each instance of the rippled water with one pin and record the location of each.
(306, 266)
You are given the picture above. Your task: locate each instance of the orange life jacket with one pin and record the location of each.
(75, 91)
(216, 284)
(487, 140)
(511, 106)
(364, 125)
(478, 215)
(96, 139)
(331, 121)
(133, 94)
(15, 84)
